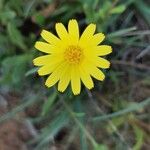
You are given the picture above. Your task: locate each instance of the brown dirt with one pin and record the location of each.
(14, 133)
(12, 136)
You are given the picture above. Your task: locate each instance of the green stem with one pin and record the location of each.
(72, 114)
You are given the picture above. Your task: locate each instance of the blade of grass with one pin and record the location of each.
(47, 105)
(114, 128)
(131, 108)
(121, 32)
(29, 7)
(50, 131)
(143, 9)
(139, 138)
(32, 71)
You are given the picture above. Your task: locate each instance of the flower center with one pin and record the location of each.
(73, 54)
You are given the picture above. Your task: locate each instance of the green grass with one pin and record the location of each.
(103, 118)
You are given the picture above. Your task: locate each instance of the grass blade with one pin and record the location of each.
(131, 108)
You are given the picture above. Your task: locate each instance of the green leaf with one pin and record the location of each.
(1, 4)
(81, 114)
(104, 9)
(139, 137)
(48, 104)
(31, 71)
(83, 141)
(49, 132)
(118, 9)
(15, 36)
(13, 70)
(100, 147)
(16, 5)
(39, 19)
(6, 16)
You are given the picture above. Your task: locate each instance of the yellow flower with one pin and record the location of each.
(71, 57)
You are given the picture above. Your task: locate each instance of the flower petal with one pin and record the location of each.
(47, 59)
(103, 50)
(73, 30)
(97, 61)
(88, 32)
(64, 79)
(42, 60)
(55, 76)
(97, 74)
(86, 78)
(52, 79)
(48, 68)
(61, 31)
(93, 70)
(43, 47)
(102, 63)
(97, 38)
(75, 80)
(49, 37)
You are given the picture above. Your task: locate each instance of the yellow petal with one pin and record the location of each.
(73, 30)
(47, 59)
(88, 32)
(97, 38)
(55, 76)
(49, 37)
(97, 61)
(93, 70)
(47, 69)
(64, 79)
(42, 60)
(52, 79)
(86, 78)
(103, 50)
(61, 31)
(75, 80)
(101, 62)
(43, 47)
(97, 74)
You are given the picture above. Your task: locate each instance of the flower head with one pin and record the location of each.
(71, 57)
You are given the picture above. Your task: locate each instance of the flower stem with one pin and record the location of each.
(72, 114)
